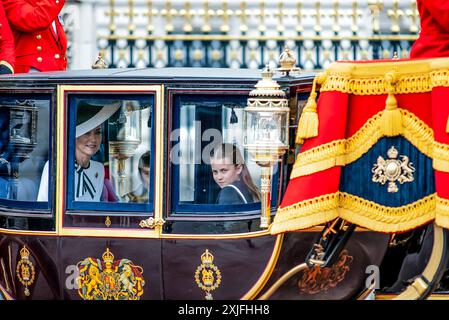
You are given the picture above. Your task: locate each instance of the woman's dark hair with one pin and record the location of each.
(231, 152)
(144, 160)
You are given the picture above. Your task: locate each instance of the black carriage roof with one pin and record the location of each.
(154, 74)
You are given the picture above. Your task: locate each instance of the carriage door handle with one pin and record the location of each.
(151, 223)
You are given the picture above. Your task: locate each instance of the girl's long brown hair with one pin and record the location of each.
(231, 152)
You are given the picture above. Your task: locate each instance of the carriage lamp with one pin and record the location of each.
(266, 133)
(124, 138)
(22, 139)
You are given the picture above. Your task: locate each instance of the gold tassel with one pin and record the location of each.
(308, 122)
(447, 125)
(391, 121)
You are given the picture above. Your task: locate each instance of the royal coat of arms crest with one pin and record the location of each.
(109, 279)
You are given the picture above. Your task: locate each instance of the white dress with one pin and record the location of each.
(88, 182)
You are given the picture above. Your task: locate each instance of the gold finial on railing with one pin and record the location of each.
(336, 15)
(317, 16)
(206, 28)
(150, 13)
(395, 55)
(131, 14)
(187, 17)
(287, 62)
(413, 14)
(243, 17)
(395, 14)
(99, 63)
(225, 16)
(376, 6)
(299, 27)
(262, 27)
(354, 15)
(112, 14)
(168, 12)
(280, 15)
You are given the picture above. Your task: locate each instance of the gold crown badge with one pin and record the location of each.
(108, 256)
(207, 257)
(24, 253)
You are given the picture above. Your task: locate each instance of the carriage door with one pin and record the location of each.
(107, 204)
(212, 245)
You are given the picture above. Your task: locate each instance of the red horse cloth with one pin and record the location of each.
(362, 107)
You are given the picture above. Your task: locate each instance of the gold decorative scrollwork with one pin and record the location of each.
(207, 275)
(25, 270)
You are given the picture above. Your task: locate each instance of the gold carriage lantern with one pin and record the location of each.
(267, 115)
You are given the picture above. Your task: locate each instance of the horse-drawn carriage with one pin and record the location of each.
(178, 242)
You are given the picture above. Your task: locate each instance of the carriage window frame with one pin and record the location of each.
(96, 208)
(36, 207)
(180, 210)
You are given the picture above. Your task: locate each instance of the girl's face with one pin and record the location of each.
(145, 176)
(225, 172)
(89, 143)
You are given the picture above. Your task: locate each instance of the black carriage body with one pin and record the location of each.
(179, 245)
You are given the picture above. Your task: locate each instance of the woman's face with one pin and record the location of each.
(145, 176)
(89, 143)
(225, 172)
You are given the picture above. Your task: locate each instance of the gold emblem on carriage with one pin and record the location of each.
(25, 270)
(393, 170)
(207, 275)
(109, 279)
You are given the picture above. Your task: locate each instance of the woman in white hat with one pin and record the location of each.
(89, 174)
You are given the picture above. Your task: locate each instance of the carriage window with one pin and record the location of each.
(212, 171)
(110, 152)
(24, 148)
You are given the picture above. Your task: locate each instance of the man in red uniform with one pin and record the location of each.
(433, 41)
(40, 40)
(7, 55)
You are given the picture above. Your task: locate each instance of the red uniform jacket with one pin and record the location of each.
(433, 41)
(7, 55)
(37, 44)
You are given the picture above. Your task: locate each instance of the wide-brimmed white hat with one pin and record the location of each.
(90, 115)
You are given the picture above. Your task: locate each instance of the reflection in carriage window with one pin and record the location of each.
(24, 146)
(211, 166)
(111, 150)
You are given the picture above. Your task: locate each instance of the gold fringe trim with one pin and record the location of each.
(306, 214)
(377, 85)
(356, 210)
(418, 83)
(441, 157)
(380, 218)
(442, 212)
(439, 78)
(343, 152)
